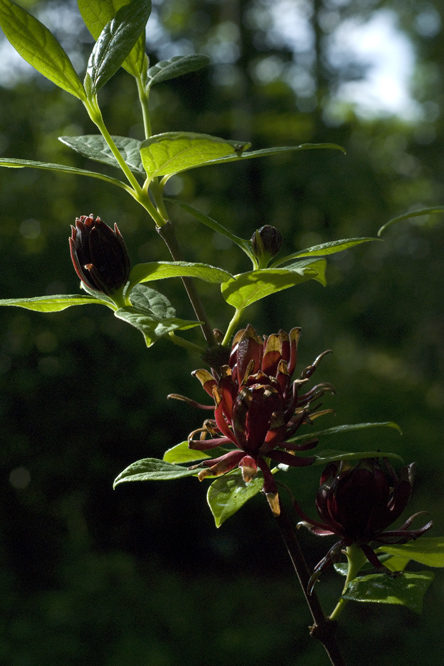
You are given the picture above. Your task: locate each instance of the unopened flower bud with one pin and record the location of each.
(99, 254)
(266, 243)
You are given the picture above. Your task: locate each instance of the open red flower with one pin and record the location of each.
(358, 504)
(257, 409)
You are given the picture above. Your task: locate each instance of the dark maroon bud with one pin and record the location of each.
(266, 242)
(99, 255)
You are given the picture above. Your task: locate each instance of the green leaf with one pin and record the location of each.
(228, 493)
(426, 550)
(174, 67)
(407, 589)
(97, 14)
(325, 249)
(172, 152)
(181, 453)
(266, 152)
(94, 147)
(159, 270)
(342, 429)
(153, 328)
(412, 213)
(247, 288)
(244, 244)
(149, 299)
(116, 41)
(152, 314)
(52, 303)
(325, 457)
(14, 163)
(152, 469)
(38, 46)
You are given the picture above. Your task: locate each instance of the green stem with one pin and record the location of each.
(355, 558)
(181, 342)
(138, 193)
(232, 327)
(143, 99)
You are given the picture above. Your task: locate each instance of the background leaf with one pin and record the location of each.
(426, 550)
(172, 152)
(328, 456)
(174, 67)
(412, 213)
(94, 147)
(116, 41)
(52, 303)
(247, 288)
(38, 46)
(97, 13)
(152, 469)
(228, 493)
(408, 589)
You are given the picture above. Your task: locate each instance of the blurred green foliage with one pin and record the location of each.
(140, 575)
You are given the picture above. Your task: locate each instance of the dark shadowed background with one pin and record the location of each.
(140, 575)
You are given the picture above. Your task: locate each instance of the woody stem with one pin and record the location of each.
(323, 629)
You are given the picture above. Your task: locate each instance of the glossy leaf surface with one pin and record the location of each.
(97, 13)
(152, 469)
(116, 41)
(407, 589)
(174, 67)
(247, 288)
(325, 249)
(181, 453)
(172, 152)
(52, 303)
(94, 147)
(426, 550)
(228, 493)
(160, 270)
(38, 46)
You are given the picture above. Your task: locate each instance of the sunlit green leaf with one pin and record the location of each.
(412, 213)
(159, 270)
(116, 41)
(247, 288)
(173, 152)
(38, 46)
(181, 453)
(14, 163)
(325, 249)
(228, 493)
(407, 589)
(174, 67)
(52, 303)
(426, 550)
(97, 13)
(94, 147)
(152, 469)
(343, 429)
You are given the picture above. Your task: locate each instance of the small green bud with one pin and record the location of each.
(266, 243)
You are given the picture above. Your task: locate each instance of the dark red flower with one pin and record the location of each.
(99, 255)
(358, 504)
(258, 408)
